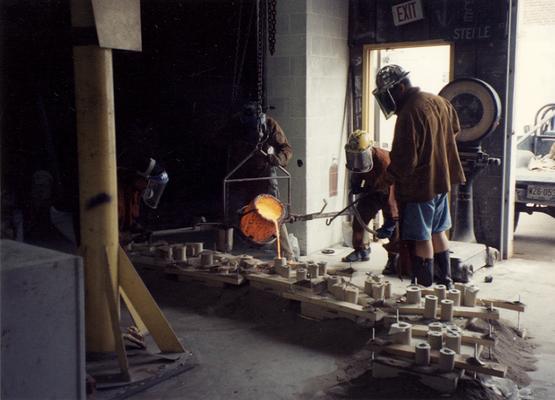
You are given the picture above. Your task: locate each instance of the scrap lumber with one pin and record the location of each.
(508, 305)
(336, 305)
(461, 361)
(466, 312)
(207, 278)
(319, 313)
(270, 283)
(431, 376)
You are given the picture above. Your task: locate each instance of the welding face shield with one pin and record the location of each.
(358, 152)
(387, 79)
(253, 121)
(157, 179)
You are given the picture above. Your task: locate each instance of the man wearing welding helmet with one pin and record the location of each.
(251, 129)
(424, 165)
(367, 165)
(142, 180)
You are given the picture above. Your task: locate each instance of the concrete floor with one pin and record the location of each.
(250, 345)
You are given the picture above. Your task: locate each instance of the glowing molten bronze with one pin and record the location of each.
(261, 219)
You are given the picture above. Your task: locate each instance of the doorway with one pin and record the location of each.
(430, 67)
(534, 133)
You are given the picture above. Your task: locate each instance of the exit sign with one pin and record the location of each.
(407, 12)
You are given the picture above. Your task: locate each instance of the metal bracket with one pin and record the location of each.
(228, 180)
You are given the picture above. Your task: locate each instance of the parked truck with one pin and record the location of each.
(535, 166)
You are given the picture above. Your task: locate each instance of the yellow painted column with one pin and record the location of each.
(94, 99)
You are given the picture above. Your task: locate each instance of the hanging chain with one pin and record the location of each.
(272, 26)
(236, 73)
(260, 49)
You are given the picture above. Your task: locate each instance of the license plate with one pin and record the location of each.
(538, 192)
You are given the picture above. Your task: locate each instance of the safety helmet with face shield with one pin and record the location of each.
(254, 122)
(157, 179)
(358, 152)
(386, 79)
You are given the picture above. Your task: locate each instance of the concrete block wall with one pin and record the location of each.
(286, 80)
(307, 80)
(327, 75)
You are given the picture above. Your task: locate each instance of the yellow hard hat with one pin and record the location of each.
(359, 140)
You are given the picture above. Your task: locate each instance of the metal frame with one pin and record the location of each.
(509, 145)
(228, 181)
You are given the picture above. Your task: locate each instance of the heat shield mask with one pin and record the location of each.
(253, 121)
(385, 101)
(359, 161)
(154, 189)
(157, 179)
(387, 79)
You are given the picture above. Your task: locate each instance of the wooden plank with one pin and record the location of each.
(461, 361)
(466, 312)
(208, 277)
(272, 278)
(385, 366)
(275, 282)
(333, 304)
(266, 288)
(509, 305)
(113, 307)
(146, 306)
(467, 337)
(317, 312)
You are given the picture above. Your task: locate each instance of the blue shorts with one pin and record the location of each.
(421, 220)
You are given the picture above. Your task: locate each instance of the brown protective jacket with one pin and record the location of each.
(375, 179)
(257, 165)
(424, 157)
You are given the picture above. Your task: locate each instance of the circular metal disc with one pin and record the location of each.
(478, 107)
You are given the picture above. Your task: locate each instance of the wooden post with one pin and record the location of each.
(94, 101)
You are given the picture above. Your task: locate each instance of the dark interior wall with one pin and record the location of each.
(479, 31)
(173, 99)
(37, 104)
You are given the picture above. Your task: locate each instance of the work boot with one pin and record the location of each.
(391, 265)
(442, 271)
(422, 271)
(357, 255)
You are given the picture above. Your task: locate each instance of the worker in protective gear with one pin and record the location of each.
(367, 165)
(249, 129)
(424, 165)
(146, 182)
(141, 179)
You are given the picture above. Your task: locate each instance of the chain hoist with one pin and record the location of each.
(260, 49)
(272, 26)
